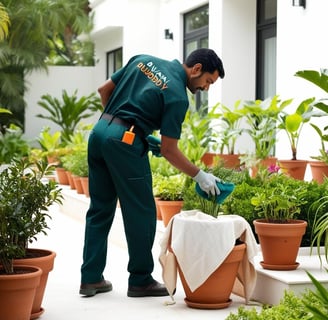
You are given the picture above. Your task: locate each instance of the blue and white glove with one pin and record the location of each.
(207, 182)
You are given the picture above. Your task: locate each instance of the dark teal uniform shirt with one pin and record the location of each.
(151, 93)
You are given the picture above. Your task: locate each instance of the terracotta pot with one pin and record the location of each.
(43, 259)
(169, 209)
(229, 160)
(62, 176)
(158, 209)
(294, 168)
(280, 243)
(319, 170)
(17, 292)
(264, 163)
(77, 183)
(85, 185)
(208, 158)
(70, 180)
(215, 292)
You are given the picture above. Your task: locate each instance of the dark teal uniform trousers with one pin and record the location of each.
(119, 171)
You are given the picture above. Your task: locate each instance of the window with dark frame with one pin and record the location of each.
(266, 49)
(195, 37)
(114, 61)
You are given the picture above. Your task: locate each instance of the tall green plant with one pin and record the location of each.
(262, 116)
(70, 111)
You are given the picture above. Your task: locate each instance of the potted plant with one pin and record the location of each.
(292, 124)
(53, 148)
(320, 79)
(277, 206)
(214, 291)
(261, 117)
(25, 197)
(69, 112)
(230, 131)
(168, 189)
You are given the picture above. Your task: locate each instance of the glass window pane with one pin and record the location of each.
(269, 67)
(270, 9)
(196, 19)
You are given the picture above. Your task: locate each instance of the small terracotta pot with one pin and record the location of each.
(280, 243)
(169, 209)
(319, 170)
(294, 168)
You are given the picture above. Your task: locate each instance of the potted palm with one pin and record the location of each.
(280, 233)
(25, 197)
(292, 124)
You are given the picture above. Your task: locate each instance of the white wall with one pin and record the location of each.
(53, 83)
(301, 44)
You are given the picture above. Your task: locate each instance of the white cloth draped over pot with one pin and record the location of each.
(201, 243)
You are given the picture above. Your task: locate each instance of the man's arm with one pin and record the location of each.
(171, 152)
(106, 91)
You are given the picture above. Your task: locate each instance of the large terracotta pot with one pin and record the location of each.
(78, 184)
(280, 243)
(17, 292)
(168, 209)
(44, 259)
(319, 170)
(215, 292)
(294, 168)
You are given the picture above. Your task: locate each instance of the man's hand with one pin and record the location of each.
(154, 145)
(207, 182)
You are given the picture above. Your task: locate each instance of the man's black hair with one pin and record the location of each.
(209, 60)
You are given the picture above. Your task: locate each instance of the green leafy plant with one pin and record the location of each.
(25, 197)
(320, 226)
(317, 301)
(293, 123)
(319, 79)
(261, 117)
(70, 111)
(230, 127)
(290, 307)
(169, 187)
(278, 201)
(13, 144)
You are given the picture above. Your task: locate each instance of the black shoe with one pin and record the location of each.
(91, 289)
(155, 289)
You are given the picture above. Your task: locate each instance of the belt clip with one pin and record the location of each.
(128, 136)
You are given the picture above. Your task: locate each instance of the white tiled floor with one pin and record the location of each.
(62, 301)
